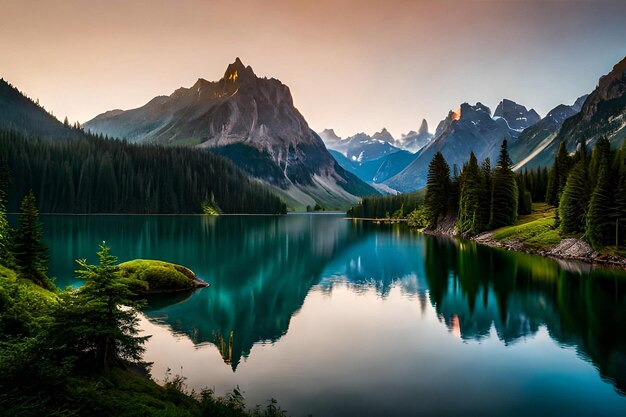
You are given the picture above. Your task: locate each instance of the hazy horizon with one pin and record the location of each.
(351, 65)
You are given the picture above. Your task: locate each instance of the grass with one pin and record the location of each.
(535, 229)
(149, 276)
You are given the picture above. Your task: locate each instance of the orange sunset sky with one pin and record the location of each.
(351, 65)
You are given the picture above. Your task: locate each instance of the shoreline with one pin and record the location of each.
(568, 249)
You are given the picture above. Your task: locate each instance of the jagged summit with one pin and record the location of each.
(384, 135)
(516, 115)
(237, 71)
(423, 127)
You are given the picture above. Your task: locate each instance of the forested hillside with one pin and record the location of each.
(20, 113)
(95, 175)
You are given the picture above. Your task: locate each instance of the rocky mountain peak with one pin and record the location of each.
(578, 104)
(423, 127)
(384, 135)
(237, 71)
(516, 115)
(610, 86)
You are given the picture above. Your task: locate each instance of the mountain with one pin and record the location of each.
(70, 171)
(516, 115)
(361, 147)
(384, 136)
(603, 113)
(471, 128)
(414, 141)
(375, 171)
(537, 137)
(251, 121)
(330, 138)
(21, 114)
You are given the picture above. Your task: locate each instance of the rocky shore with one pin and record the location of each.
(567, 249)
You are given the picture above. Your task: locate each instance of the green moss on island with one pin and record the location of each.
(144, 276)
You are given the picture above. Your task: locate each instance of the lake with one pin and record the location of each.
(335, 317)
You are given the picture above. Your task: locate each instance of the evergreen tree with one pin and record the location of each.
(6, 234)
(620, 196)
(437, 189)
(504, 195)
(31, 254)
(455, 191)
(98, 323)
(575, 199)
(599, 223)
(558, 175)
(486, 184)
(470, 201)
(524, 203)
(601, 156)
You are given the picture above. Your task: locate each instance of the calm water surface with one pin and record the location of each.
(335, 317)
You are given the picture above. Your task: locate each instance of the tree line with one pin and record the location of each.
(389, 206)
(93, 174)
(588, 188)
(590, 191)
(478, 198)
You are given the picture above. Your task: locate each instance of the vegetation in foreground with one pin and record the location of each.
(78, 352)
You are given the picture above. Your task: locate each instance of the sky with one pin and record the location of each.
(351, 65)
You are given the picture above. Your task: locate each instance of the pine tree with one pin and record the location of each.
(31, 254)
(524, 203)
(599, 224)
(486, 185)
(98, 323)
(470, 217)
(558, 175)
(504, 196)
(437, 189)
(601, 156)
(6, 234)
(575, 199)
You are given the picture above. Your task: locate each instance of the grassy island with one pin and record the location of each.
(144, 276)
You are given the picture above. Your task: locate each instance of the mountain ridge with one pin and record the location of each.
(243, 109)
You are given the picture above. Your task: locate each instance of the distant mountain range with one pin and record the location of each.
(470, 128)
(251, 121)
(376, 158)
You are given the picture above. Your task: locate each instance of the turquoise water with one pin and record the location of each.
(336, 317)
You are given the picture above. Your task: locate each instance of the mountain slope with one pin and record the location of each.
(536, 138)
(602, 114)
(20, 113)
(253, 122)
(471, 128)
(378, 170)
